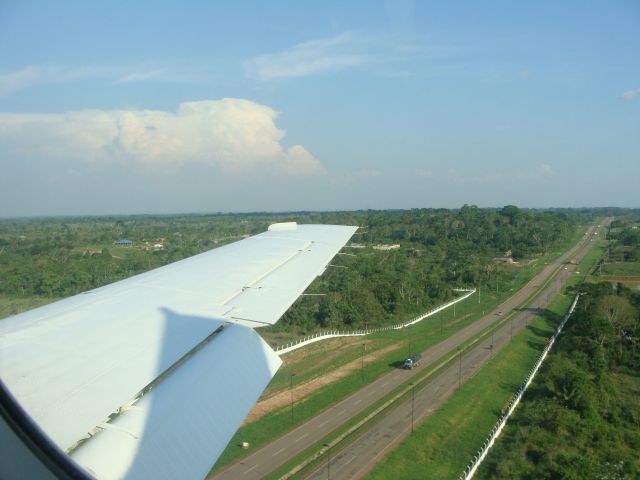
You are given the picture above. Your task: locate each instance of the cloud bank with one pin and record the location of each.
(234, 135)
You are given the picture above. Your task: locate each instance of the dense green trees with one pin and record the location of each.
(439, 250)
(581, 417)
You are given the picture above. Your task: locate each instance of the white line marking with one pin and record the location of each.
(302, 436)
(350, 460)
(341, 412)
(279, 451)
(384, 385)
(250, 469)
(357, 402)
(371, 392)
(323, 424)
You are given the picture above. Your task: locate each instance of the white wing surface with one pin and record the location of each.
(151, 376)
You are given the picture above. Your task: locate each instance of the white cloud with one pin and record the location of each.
(143, 75)
(308, 58)
(46, 74)
(34, 75)
(397, 53)
(234, 135)
(299, 161)
(13, 81)
(152, 74)
(631, 94)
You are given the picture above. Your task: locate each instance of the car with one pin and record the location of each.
(412, 361)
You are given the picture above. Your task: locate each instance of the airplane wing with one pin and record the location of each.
(151, 376)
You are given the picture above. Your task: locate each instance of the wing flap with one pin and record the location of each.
(268, 298)
(162, 436)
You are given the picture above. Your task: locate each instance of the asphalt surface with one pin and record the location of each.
(268, 458)
(371, 447)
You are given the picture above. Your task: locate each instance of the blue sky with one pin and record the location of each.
(162, 107)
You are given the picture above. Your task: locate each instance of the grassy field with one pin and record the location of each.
(445, 442)
(416, 338)
(621, 268)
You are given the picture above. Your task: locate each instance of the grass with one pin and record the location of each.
(419, 337)
(445, 442)
(589, 263)
(621, 268)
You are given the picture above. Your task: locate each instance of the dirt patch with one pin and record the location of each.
(630, 280)
(303, 390)
(330, 349)
(458, 320)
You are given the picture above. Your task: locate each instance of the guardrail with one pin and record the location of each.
(317, 337)
(497, 429)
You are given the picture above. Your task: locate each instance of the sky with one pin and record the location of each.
(197, 107)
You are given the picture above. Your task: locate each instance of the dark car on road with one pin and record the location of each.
(412, 361)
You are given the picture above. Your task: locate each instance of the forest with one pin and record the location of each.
(581, 417)
(398, 263)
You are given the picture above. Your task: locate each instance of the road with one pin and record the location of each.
(366, 451)
(268, 458)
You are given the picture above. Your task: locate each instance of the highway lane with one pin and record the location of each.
(268, 458)
(359, 457)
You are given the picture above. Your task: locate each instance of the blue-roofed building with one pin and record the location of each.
(123, 243)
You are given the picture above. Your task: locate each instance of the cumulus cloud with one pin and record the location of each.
(234, 135)
(631, 94)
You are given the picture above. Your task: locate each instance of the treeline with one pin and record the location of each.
(438, 250)
(626, 232)
(581, 417)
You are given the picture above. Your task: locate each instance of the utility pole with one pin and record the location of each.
(413, 390)
(362, 368)
(327, 446)
(459, 367)
(291, 390)
(491, 347)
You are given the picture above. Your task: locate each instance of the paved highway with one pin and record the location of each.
(266, 459)
(361, 455)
